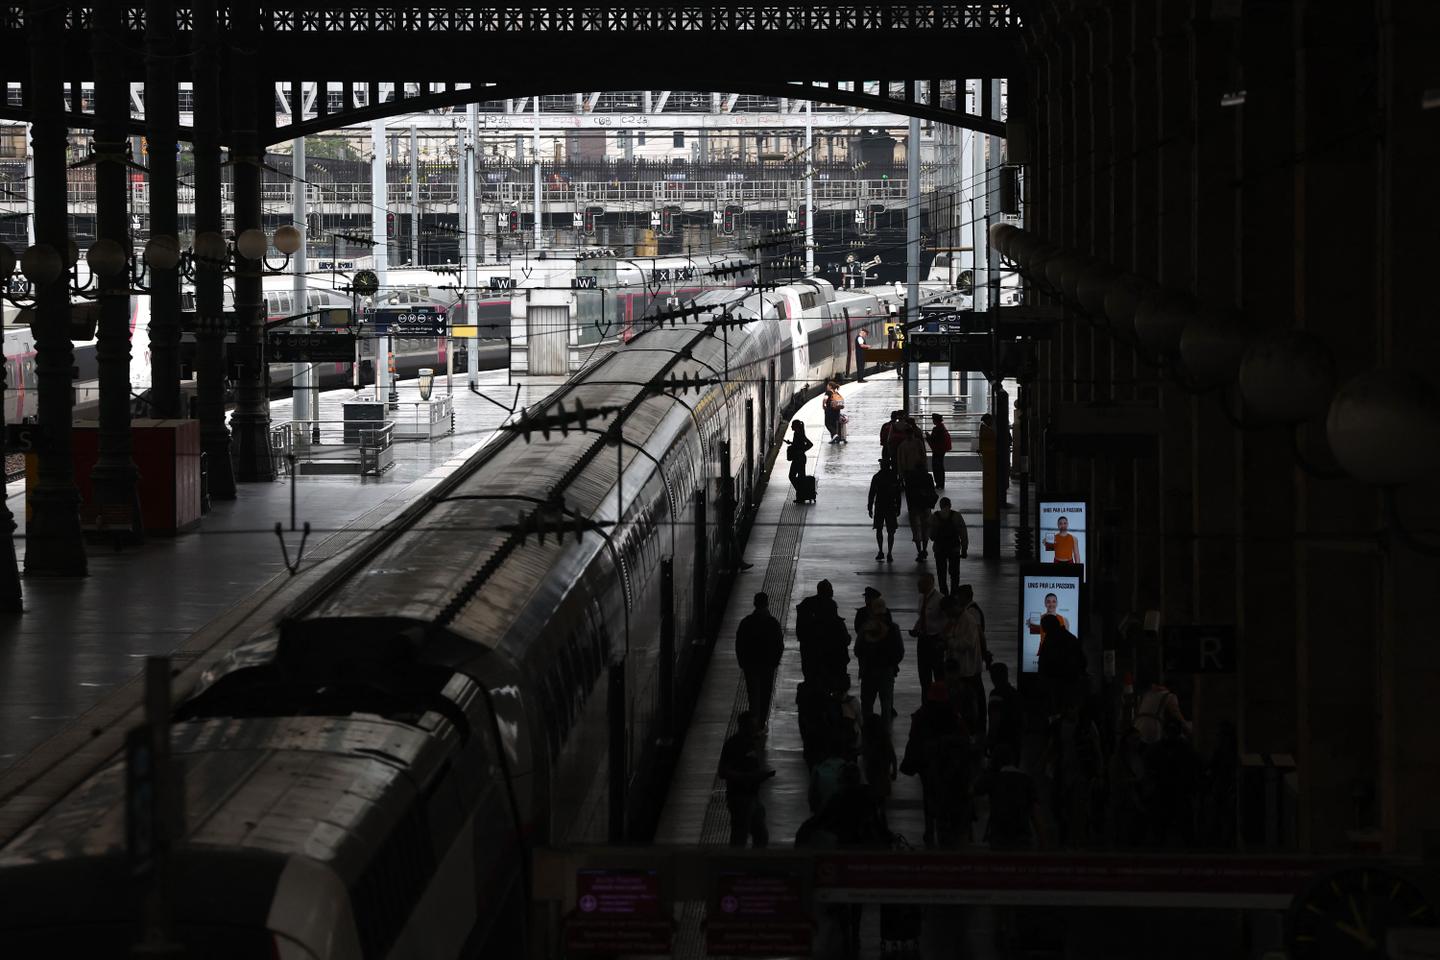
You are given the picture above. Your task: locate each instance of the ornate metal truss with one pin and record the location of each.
(890, 55)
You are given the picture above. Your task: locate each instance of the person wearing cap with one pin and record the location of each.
(937, 740)
(883, 506)
(759, 644)
(862, 612)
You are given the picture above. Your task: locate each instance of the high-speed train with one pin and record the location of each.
(492, 671)
(644, 286)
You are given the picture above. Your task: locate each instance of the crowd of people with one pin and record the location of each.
(994, 767)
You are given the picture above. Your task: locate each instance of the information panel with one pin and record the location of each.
(1062, 529)
(1047, 588)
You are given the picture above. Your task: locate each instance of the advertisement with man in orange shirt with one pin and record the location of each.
(1062, 531)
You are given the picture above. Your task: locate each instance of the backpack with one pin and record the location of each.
(924, 488)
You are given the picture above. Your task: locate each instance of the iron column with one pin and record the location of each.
(117, 501)
(305, 404)
(912, 266)
(379, 206)
(472, 230)
(210, 272)
(539, 205)
(162, 119)
(54, 544)
(251, 421)
(414, 197)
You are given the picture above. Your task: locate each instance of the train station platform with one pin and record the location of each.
(791, 548)
(81, 642)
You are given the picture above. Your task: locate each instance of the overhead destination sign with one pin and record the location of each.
(325, 345)
(411, 321)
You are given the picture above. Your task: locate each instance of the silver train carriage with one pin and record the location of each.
(366, 779)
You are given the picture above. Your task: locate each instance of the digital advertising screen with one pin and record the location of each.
(1062, 530)
(1047, 588)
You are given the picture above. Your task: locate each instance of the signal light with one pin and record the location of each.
(514, 220)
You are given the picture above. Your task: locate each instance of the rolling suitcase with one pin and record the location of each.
(805, 488)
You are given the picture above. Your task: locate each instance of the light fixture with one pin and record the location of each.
(106, 257)
(1094, 285)
(1056, 266)
(41, 264)
(162, 253)
(251, 244)
(1073, 270)
(1123, 299)
(211, 249)
(1161, 319)
(288, 239)
(1212, 345)
(1287, 379)
(1384, 427)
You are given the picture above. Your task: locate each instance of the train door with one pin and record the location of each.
(547, 339)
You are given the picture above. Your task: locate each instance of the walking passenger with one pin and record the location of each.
(891, 433)
(759, 644)
(883, 506)
(910, 451)
(862, 612)
(878, 652)
(952, 543)
(931, 754)
(1005, 713)
(965, 642)
(928, 632)
(939, 440)
(742, 771)
(842, 419)
(824, 641)
(832, 413)
(919, 498)
(1014, 803)
(797, 446)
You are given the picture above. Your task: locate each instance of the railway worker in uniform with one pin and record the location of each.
(860, 346)
(742, 771)
(759, 644)
(883, 505)
(796, 448)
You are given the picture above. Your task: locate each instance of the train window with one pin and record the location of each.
(807, 301)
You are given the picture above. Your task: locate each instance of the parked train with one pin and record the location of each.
(641, 287)
(488, 673)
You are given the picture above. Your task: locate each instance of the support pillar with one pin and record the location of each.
(305, 403)
(11, 600)
(162, 120)
(54, 544)
(209, 272)
(113, 478)
(251, 422)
